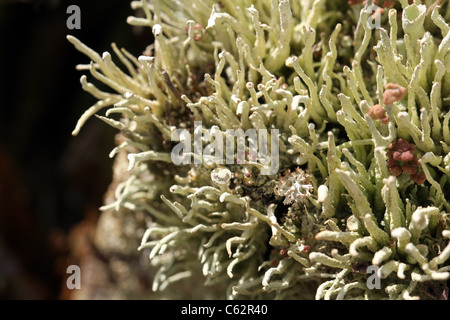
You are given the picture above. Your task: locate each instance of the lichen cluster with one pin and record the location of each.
(362, 115)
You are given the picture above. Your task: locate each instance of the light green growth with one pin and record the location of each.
(311, 69)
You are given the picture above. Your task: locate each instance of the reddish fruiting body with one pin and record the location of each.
(401, 158)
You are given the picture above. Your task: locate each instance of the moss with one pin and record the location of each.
(307, 73)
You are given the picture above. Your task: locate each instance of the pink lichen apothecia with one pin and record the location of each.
(401, 158)
(393, 93)
(377, 112)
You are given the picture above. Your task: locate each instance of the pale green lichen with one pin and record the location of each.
(311, 69)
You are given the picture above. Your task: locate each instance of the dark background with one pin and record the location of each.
(51, 181)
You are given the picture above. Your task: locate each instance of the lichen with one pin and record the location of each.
(361, 120)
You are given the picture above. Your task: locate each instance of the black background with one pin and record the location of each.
(50, 180)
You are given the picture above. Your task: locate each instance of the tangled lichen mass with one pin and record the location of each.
(359, 118)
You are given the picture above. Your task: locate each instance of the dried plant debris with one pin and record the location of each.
(353, 116)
